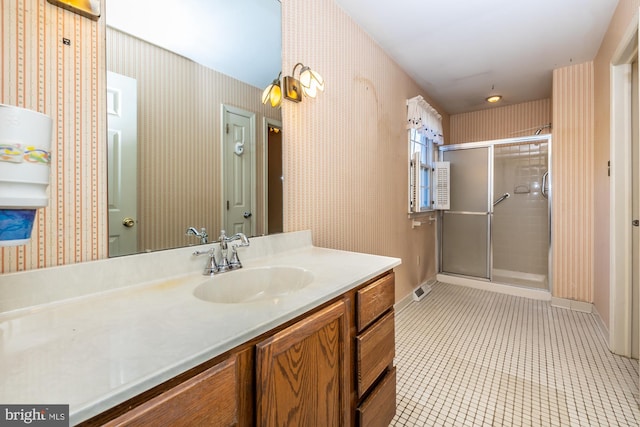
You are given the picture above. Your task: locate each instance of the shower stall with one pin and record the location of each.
(498, 226)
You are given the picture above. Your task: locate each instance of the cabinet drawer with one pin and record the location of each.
(210, 398)
(375, 349)
(379, 408)
(373, 300)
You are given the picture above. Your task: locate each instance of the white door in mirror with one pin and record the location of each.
(239, 170)
(122, 111)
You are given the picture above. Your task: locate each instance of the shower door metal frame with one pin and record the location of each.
(490, 144)
(486, 212)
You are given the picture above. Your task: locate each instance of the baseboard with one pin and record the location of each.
(538, 294)
(408, 299)
(569, 304)
(602, 327)
(403, 303)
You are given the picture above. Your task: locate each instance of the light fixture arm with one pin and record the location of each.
(293, 72)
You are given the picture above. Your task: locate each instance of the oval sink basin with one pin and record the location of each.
(253, 285)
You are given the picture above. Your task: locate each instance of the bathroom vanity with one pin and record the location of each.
(154, 353)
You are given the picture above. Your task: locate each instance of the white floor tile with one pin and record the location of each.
(472, 358)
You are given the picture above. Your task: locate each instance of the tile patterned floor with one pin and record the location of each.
(467, 357)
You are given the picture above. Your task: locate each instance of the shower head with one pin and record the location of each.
(542, 127)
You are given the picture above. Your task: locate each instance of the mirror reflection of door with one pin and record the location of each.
(122, 164)
(274, 179)
(239, 171)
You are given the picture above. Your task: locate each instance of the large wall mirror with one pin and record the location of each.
(190, 143)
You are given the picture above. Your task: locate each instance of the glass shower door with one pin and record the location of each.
(520, 225)
(464, 241)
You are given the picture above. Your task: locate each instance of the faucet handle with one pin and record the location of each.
(212, 266)
(234, 262)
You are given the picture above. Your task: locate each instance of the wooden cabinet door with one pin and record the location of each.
(302, 372)
(211, 398)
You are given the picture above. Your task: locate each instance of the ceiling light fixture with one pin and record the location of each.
(309, 83)
(492, 99)
(273, 93)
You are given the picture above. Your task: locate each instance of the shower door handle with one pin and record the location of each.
(545, 189)
(502, 199)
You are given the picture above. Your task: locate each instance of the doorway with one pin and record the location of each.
(624, 278)
(275, 179)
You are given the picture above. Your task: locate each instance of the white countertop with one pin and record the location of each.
(95, 351)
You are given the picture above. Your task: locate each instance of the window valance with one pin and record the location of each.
(424, 118)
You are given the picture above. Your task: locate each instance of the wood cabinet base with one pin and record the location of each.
(379, 408)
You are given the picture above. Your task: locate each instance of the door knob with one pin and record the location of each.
(246, 214)
(128, 222)
(636, 222)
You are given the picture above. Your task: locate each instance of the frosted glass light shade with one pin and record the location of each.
(311, 82)
(272, 94)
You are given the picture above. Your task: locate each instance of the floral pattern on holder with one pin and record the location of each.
(15, 153)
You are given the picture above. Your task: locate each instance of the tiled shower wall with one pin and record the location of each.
(521, 223)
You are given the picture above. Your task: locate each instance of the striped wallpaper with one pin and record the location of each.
(179, 116)
(573, 172)
(344, 152)
(66, 82)
(500, 122)
(346, 155)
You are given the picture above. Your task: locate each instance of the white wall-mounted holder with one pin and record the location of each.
(415, 223)
(25, 156)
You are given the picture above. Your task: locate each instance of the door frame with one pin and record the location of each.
(620, 257)
(252, 125)
(267, 122)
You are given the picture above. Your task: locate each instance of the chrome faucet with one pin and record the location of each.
(202, 234)
(225, 264)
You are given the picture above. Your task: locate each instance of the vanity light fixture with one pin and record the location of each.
(273, 93)
(87, 8)
(309, 82)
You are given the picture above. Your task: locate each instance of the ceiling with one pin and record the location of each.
(209, 32)
(461, 51)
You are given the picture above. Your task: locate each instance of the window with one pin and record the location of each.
(420, 165)
(424, 126)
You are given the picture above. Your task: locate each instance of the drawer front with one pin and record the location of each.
(374, 300)
(379, 408)
(210, 398)
(375, 349)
